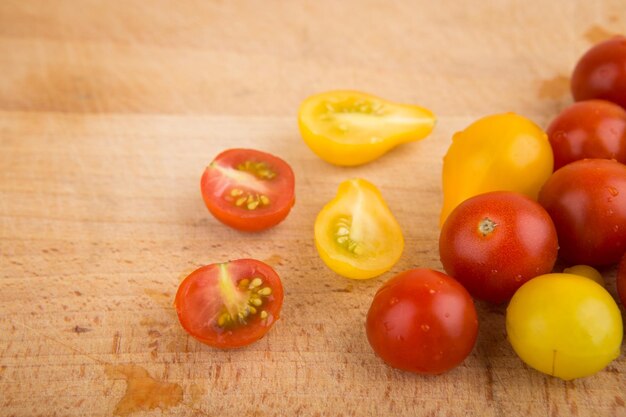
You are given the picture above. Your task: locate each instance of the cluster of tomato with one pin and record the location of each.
(497, 242)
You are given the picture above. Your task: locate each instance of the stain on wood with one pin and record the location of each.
(143, 392)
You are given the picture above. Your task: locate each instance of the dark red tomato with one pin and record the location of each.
(587, 202)
(621, 281)
(248, 190)
(230, 304)
(495, 242)
(601, 72)
(588, 129)
(422, 321)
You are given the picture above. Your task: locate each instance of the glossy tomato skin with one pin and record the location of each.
(495, 242)
(564, 325)
(587, 202)
(201, 297)
(588, 129)
(239, 182)
(621, 281)
(500, 152)
(601, 72)
(422, 321)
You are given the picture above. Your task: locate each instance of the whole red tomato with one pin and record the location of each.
(621, 281)
(495, 242)
(422, 321)
(587, 202)
(601, 72)
(588, 129)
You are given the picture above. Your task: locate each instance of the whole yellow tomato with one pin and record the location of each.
(352, 128)
(502, 152)
(564, 325)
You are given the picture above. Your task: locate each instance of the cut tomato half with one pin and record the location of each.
(231, 304)
(356, 234)
(248, 190)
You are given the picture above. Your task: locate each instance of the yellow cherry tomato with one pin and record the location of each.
(502, 152)
(564, 325)
(352, 128)
(585, 271)
(355, 233)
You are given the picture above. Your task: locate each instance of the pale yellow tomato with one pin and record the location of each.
(564, 325)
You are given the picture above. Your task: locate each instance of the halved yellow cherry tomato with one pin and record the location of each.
(355, 233)
(502, 152)
(564, 325)
(352, 128)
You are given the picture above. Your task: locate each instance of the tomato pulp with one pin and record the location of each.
(231, 304)
(248, 190)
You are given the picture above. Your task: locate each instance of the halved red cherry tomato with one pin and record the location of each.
(601, 72)
(587, 202)
(248, 190)
(230, 304)
(495, 242)
(588, 129)
(422, 321)
(621, 281)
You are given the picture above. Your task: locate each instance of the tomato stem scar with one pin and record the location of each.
(486, 226)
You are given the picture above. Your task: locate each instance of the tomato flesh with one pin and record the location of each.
(230, 304)
(356, 234)
(422, 321)
(352, 128)
(495, 242)
(248, 190)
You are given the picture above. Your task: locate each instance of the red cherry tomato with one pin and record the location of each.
(495, 242)
(588, 129)
(621, 281)
(422, 321)
(587, 202)
(248, 190)
(230, 304)
(601, 72)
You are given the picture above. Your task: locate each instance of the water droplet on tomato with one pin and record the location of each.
(425, 327)
(393, 300)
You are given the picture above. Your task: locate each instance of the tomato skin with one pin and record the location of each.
(215, 185)
(422, 321)
(601, 72)
(199, 299)
(564, 325)
(492, 264)
(501, 152)
(621, 281)
(349, 128)
(587, 202)
(588, 129)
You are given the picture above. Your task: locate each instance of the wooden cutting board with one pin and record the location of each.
(109, 112)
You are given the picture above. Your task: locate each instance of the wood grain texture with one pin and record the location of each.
(109, 111)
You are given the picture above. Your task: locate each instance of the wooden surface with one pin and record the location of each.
(109, 111)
